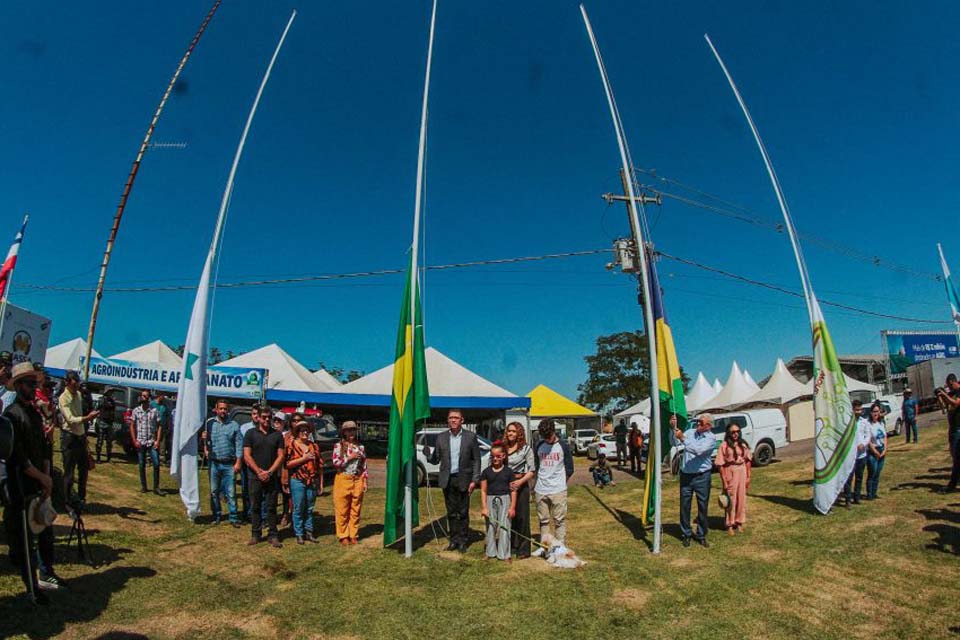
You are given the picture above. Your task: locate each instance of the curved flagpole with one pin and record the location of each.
(128, 186)
(835, 424)
(414, 269)
(191, 408)
(637, 230)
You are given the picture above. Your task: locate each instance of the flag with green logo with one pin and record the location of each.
(409, 405)
(670, 396)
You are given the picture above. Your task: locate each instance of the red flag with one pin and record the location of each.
(6, 271)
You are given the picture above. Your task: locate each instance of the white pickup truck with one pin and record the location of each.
(765, 430)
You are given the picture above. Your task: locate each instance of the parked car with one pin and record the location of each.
(580, 439)
(764, 430)
(426, 470)
(605, 443)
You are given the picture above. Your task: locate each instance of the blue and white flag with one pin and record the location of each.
(953, 296)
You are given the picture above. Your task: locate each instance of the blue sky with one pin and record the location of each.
(857, 102)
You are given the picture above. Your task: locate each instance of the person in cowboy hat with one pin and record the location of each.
(28, 471)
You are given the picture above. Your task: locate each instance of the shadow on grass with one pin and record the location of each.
(804, 505)
(940, 514)
(121, 635)
(88, 597)
(632, 523)
(938, 476)
(947, 540)
(425, 535)
(930, 486)
(939, 469)
(127, 513)
(802, 483)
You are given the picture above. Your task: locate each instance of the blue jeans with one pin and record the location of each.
(856, 479)
(142, 452)
(303, 497)
(874, 467)
(690, 484)
(908, 426)
(221, 484)
(601, 477)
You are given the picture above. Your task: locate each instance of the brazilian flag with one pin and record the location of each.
(670, 395)
(409, 405)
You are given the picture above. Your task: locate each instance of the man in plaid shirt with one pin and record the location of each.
(145, 433)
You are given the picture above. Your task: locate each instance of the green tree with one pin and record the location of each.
(340, 373)
(618, 374)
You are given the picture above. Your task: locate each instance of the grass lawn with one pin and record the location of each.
(886, 569)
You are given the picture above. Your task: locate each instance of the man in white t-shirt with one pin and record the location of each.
(554, 467)
(856, 476)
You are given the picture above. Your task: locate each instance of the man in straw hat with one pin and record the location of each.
(28, 471)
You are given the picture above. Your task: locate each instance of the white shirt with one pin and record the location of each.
(552, 476)
(7, 399)
(455, 441)
(864, 431)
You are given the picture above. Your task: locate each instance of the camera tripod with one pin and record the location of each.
(79, 530)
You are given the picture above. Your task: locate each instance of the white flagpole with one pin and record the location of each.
(644, 279)
(948, 284)
(9, 285)
(415, 247)
(191, 411)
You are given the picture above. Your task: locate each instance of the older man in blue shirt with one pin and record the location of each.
(698, 444)
(225, 453)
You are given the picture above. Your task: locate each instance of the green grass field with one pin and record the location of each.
(886, 569)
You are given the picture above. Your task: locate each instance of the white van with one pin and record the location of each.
(765, 430)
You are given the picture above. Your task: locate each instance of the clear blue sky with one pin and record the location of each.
(858, 103)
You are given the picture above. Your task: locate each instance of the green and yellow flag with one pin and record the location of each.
(409, 405)
(672, 401)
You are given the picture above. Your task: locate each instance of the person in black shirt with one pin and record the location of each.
(499, 503)
(28, 474)
(950, 397)
(620, 435)
(263, 453)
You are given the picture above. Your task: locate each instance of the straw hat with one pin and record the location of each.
(348, 425)
(40, 514)
(724, 501)
(20, 371)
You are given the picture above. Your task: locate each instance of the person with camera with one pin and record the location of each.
(698, 444)
(106, 425)
(949, 397)
(28, 475)
(73, 441)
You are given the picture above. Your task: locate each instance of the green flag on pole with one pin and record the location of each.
(409, 405)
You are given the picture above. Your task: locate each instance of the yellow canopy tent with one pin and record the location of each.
(547, 403)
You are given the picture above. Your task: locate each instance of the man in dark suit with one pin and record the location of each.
(458, 454)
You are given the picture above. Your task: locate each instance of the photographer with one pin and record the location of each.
(28, 474)
(950, 398)
(106, 426)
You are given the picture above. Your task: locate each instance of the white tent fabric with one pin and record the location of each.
(852, 385)
(326, 378)
(717, 387)
(445, 377)
(781, 388)
(285, 373)
(700, 393)
(68, 355)
(155, 351)
(641, 408)
(750, 381)
(735, 391)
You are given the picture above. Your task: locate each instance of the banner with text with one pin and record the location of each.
(905, 349)
(24, 334)
(225, 382)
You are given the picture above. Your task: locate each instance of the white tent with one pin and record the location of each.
(781, 388)
(750, 381)
(326, 378)
(852, 385)
(735, 391)
(717, 387)
(68, 356)
(700, 393)
(444, 376)
(285, 373)
(638, 413)
(155, 351)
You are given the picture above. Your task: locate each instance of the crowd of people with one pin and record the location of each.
(278, 464)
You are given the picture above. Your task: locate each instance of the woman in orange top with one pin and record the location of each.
(734, 460)
(305, 467)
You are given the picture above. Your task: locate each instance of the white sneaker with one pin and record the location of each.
(49, 583)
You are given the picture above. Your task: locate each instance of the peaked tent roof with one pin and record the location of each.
(547, 403)
(852, 385)
(326, 378)
(155, 351)
(285, 373)
(641, 408)
(782, 387)
(67, 356)
(750, 381)
(700, 393)
(735, 391)
(717, 387)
